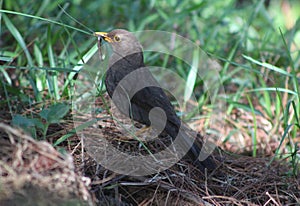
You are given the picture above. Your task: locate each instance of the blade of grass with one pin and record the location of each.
(294, 73)
(192, 76)
(286, 131)
(44, 19)
(243, 107)
(266, 97)
(253, 133)
(267, 65)
(229, 59)
(14, 31)
(80, 65)
(6, 75)
(63, 9)
(17, 35)
(58, 69)
(274, 89)
(52, 77)
(40, 82)
(233, 101)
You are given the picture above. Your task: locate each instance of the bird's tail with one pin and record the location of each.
(196, 151)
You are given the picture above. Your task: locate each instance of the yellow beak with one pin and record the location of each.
(103, 35)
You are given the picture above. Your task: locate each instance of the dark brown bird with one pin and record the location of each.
(128, 80)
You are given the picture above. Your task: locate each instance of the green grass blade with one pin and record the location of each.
(44, 19)
(274, 89)
(253, 133)
(267, 65)
(192, 76)
(52, 78)
(14, 31)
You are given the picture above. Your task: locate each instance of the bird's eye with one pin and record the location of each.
(117, 38)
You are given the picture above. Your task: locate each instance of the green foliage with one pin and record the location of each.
(51, 115)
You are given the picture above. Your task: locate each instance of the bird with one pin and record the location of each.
(125, 74)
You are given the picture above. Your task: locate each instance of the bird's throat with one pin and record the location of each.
(127, 62)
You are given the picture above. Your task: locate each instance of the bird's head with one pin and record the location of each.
(123, 42)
